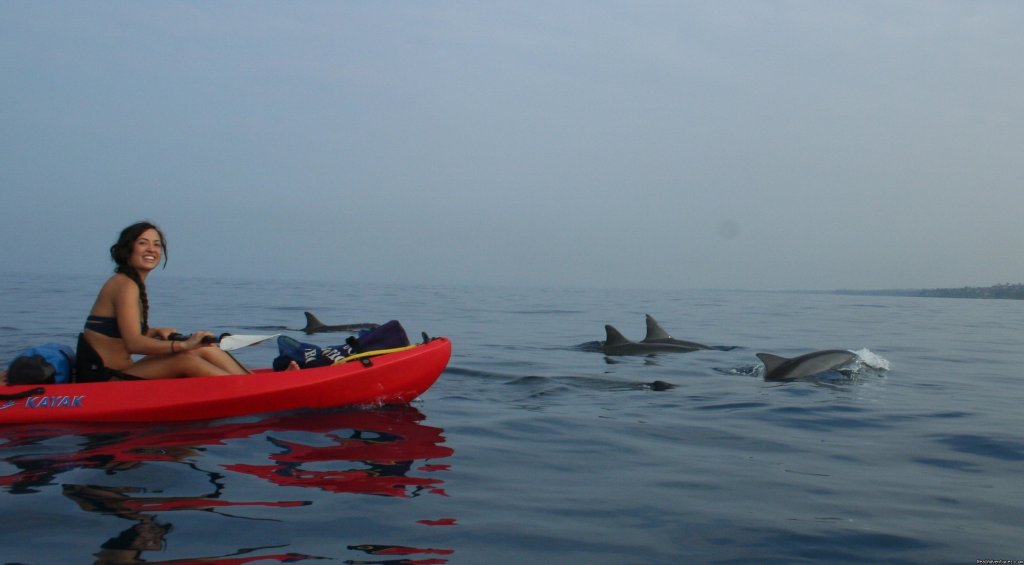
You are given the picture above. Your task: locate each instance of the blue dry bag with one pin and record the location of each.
(45, 364)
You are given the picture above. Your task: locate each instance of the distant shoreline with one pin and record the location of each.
(1000, 291)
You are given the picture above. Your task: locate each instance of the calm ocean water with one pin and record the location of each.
(530, 450)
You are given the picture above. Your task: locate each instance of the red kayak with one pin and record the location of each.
(397, 377)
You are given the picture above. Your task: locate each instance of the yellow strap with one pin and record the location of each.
(374, 353)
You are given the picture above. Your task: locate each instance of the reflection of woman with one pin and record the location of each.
(118, 324)
(146, 535)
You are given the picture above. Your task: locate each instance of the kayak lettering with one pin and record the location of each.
(8, 404)
(59, 401)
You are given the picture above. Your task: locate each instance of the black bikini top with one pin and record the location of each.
(106, 325)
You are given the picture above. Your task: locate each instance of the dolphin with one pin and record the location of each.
(313, 325)
(782, 369)
(618, 344)
(655, 334)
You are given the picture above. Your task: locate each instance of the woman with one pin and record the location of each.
(118, 324)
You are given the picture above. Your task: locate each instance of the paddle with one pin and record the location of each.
(228, 342)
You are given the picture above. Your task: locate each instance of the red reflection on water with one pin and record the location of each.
(438, 522)
(388, 440)
(384, 446)
(375, 451)
(389, 550)
(186, 503)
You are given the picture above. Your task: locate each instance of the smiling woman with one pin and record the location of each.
(118, 324)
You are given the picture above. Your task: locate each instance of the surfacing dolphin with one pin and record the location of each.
(656, 334)
(313, 325)
(782, 369)
(617, 344)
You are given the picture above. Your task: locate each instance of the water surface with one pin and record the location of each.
(529, 450)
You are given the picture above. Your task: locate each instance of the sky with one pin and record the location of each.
(611, 144)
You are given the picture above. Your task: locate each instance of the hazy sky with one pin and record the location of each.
(766, 145)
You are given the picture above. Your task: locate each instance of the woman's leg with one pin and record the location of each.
(183, 364)
(221, 359)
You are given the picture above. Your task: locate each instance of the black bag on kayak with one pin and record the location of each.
(308, 355)
(46, 364)
(385, 336)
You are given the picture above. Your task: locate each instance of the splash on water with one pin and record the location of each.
(872, 360)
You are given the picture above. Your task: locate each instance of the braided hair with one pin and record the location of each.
(121, 252)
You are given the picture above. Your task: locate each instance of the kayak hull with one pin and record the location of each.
(394, 378)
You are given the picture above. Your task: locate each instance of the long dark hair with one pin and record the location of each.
(121, 252)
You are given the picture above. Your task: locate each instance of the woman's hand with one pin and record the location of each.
(196, 340)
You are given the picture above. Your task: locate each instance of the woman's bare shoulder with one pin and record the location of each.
(118, 281)
(118, 285)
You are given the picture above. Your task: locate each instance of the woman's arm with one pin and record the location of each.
(161, 333)
(128, 311)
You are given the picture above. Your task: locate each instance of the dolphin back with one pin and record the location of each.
(771, 362)
(312, 323)
(657, 335)
(781, 369)
(654, 330)
(614, 337)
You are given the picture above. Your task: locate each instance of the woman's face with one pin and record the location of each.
(147, 251)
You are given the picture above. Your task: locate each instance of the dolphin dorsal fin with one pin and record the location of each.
(771, 362)
(614, 336)
(312, 322)
(654, 330)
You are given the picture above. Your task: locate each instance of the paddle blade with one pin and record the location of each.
(233, 342)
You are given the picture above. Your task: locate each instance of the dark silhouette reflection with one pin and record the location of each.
(378, 452)
(397, 550)
(376, 457)
(148, 533)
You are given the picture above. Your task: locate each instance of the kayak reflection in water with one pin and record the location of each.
(118, 324)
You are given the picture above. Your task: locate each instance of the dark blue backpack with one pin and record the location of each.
(45, 364)
(388, 335)
(307, 355)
